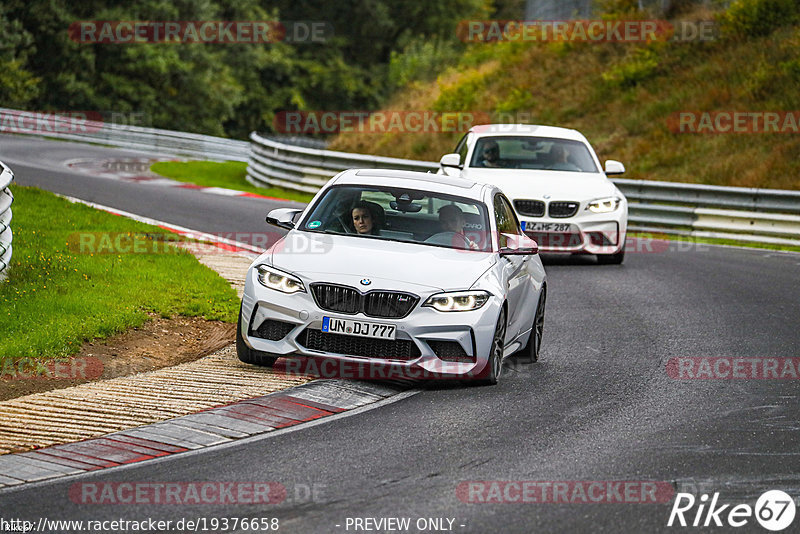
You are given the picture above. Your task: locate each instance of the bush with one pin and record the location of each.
(420, 60)
(638, 67)
(464, 94)
(755, 18)
(518, 99)
(611, 9)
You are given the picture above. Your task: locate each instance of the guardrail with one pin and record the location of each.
(6, 199)
(273, 163)
(167, 142)
(738, 213)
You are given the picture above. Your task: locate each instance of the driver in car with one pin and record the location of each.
(491, 155)
(366, 219)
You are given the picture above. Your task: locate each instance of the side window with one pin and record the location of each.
(512, 216)
(507, 222)
(463, 147)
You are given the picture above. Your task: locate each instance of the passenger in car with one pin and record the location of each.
(451, 218)
(560, 159)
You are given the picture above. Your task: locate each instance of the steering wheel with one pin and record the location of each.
(345, 226)
(448, 238)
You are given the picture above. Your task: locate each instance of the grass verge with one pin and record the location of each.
(59, 295)
(230, 175)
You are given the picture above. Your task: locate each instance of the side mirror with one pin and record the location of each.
(614, 168)
(284, 217)
(451, 160)
(518, 245)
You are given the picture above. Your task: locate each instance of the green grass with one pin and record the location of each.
(230, 175)
(716, 241)
(57, 296)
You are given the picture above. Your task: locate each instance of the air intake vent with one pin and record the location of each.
(398, 349)
(274, 330)
(449, 351)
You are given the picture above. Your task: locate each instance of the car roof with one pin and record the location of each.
(433, 182)
(533, 130)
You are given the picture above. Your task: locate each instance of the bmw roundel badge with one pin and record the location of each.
(366, 282)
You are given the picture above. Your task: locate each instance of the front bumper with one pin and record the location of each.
(427, 341)
(602, 233)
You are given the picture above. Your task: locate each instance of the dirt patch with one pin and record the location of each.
(158, 343)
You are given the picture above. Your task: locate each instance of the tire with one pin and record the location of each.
(530, 353)
(612, 259)
(494, 365)
(248, 355)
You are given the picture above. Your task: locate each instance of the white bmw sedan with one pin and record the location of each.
(425, 274)
(554, 179)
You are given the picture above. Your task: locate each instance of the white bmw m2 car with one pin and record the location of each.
(554, 179)
(427, 274)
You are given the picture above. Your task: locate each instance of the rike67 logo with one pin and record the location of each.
(774, 510)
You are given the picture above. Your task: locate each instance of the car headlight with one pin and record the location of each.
(604, 205)
(457, 301)
(279, 280)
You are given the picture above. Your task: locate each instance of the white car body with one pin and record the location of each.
(340, 270)
(534, 190)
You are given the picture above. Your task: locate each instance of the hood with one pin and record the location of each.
(388, 264)
(535, 184)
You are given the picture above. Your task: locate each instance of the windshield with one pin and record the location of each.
(526, 152)
(407, 215)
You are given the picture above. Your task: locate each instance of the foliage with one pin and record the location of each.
(463, 94)
(755, 18)
(613, 9)
(420, 60)
(220, 89)
(18, 85)
(641, 64)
